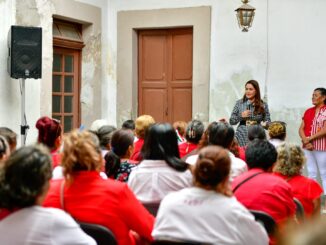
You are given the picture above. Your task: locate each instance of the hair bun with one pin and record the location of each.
(205, 169)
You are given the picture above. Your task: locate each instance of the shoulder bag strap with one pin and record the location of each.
(244, 181)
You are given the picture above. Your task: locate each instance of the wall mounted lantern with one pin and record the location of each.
(245, 15)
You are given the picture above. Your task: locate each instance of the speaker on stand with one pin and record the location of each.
(24, 61)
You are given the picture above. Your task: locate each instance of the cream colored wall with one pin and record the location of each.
(38, 92)
(127, 66)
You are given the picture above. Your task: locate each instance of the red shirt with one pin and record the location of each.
(106, 202)
(137, 148)
(305, 190)
(186, 147)
(313, 123)
(56, 158)
(266, 192)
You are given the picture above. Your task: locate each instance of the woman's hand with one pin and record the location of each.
(306, 140)
(309, 147)
(245, 113)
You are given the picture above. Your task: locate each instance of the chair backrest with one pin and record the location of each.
(101, 234)
(299, 209)
(152, 207)
(266, 220)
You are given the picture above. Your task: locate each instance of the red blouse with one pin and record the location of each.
(313, 123)
(137, 148)
(106, 202)
(305, 190)
(265, 192)
(185, 148)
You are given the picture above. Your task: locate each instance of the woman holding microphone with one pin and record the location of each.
(249, 110)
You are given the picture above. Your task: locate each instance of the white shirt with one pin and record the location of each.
(195, 214)
(276, 142)
(151, 180)
(238, 166)
(37, 226)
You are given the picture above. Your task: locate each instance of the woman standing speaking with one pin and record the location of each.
(313, 135)
(249, 110)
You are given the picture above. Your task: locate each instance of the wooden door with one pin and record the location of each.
(165, 74)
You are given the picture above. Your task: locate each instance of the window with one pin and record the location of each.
(66, 74)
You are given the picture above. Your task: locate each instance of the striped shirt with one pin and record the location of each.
(313, 124)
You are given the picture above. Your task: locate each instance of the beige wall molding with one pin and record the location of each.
(127, 68)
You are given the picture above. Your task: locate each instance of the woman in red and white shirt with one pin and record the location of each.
(313, 134)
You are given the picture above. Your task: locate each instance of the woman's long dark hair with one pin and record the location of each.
(120, 142)
(258, 103)
(161, 143)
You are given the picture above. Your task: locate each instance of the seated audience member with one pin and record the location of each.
(10, 136)
(117, 164)
(254, 132)
(259, 189)
(207, 213)
(222, 134)
(180, 129)
(194, 132)
(50, 134)
(238, 151)
(104, 135)
(289, 164)
(128, 124)
(97, 124)
(277, 133)
(141, 125)
(24, 182)
(4, 149)
(161, 171)
(89, 198)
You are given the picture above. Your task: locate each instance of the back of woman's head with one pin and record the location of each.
(142, 123)
(120, 142)
(194, 131)
(212, 167)
(290, 159)
(221, 134)
(260, 154)
(277, 130)
(24, 177)
(104, 134)
(4, 148)
(81, 152)
(48, 131)
(128, 124)
(10, 136)
(180, 126)
(256, 132)
(161, 143)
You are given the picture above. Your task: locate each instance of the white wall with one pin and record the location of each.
(284, 50)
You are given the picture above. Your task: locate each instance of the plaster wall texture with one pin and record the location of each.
(38, 92)
(283, 50)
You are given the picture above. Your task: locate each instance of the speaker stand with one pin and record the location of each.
(23, 126)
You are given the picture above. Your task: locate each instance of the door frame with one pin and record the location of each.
(127, 55)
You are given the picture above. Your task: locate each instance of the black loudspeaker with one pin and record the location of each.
(25, 52)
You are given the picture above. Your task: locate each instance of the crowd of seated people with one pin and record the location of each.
(107, 176)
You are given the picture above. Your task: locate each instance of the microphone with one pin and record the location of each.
(248, 105)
